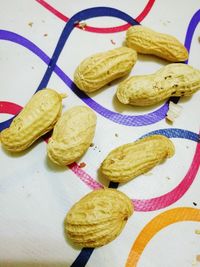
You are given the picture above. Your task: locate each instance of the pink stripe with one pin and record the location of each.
(174, 195)
(139, 204)
(86, 178)
(9, 108)
(145, 11)
(12, 108)
(124, 27)
(53, 10)
(153, 203)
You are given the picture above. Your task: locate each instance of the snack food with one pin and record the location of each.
(37, 118)
(130, 160)
(72, 135)
(98, 70)
(98, 217)
(146, 41)
(175, 79)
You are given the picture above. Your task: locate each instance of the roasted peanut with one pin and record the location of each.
(72, 135)
(130, 160)
(100, 69)
(98, 218)
(176, 79)
(37, 118)
(147, 41)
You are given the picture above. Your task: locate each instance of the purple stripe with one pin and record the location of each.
(126, 120)
(191, 29)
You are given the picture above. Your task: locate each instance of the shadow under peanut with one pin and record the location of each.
(134, 110)
(54, 167)
(21, 153)
(101, 178)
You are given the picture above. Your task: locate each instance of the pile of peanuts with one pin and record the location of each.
(100, 216)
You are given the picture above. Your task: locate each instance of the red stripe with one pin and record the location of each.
(9, 108)
(53, 10)
(121, 28)
(145, 11)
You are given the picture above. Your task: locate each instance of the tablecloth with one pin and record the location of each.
(40, 46)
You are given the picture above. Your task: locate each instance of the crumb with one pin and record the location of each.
(32, 68)
(187, 147)
(30, 24)
(194, 203)
(197, 231)
(113, 42)
(91, 145)
(198, 258)
(99, 150)
(168, 178)
(173, 112)
(199, 39)
(82, 165)
(45, 35)
(82, 25)
(116, 135)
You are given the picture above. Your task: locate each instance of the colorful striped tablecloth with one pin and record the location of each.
(41, 44)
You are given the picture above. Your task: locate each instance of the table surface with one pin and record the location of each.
(40, 47)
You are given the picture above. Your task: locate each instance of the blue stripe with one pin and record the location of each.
(176, 133)
(82, 15)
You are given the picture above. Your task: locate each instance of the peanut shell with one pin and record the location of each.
(37, 118)
(98, 70)
(72, 135)
(146, 41)
(131, 160)
(98, 218)
(175, 79)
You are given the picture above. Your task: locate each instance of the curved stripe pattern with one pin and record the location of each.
(175, 194)
(157, 224)
(139, 205)
(126, 120)
(113, 116)
(124, 27)
(143, 204)
(163, 201)
(176, 133)
(191, 29)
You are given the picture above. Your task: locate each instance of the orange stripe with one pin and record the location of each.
(154, 226)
